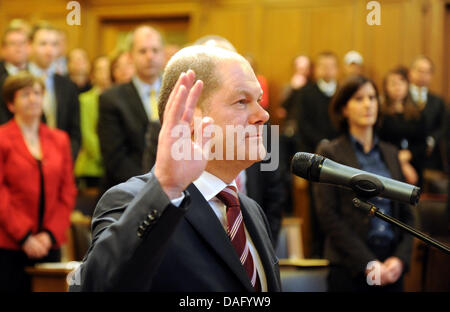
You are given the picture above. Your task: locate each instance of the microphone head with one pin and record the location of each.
(307, 166)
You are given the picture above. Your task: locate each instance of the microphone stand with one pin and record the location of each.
(373, 211)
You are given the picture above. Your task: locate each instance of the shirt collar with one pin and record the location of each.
(145, 88)
(418, 93)
(357, 145)
(209, 185)
(11, 68)
(39, 72)
(329, 88)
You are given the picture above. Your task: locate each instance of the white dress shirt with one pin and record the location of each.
(144, 90)
(209, 186)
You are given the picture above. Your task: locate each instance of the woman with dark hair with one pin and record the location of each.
(403, 125)
(37, 189)
(365, 254)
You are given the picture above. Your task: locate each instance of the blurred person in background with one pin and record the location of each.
(169, 50)
(403, 125)
(61, 106)
(314, 124)
(15, 52)
(432, 107)
(301, 76)
(89, 165)
(122, 68)
(37, 189)
(79, 68)
(353, 64)
(125, 110)
(353, 239)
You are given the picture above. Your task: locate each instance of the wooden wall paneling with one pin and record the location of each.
(285, 35)
(435, 44)
(147, 12)
(383, 43)
(446, 85)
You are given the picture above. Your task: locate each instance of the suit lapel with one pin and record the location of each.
(205, 222)
(345, 148)
(135, 104)
(255, 226)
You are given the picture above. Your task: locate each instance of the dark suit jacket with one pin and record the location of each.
(5, 114)
(122, 126)
(313, 119)
(141, 242)
(434, 114)
(267, 189)
(345, 226)
(151, 145)
(68, 111)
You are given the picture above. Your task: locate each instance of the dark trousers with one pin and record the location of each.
(13, 277)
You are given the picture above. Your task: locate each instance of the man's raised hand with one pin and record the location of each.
(176, 174)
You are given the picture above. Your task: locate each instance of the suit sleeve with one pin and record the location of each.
(336, 227)
(132, 226)
(113, 141)
(59, 222)
(14, 221)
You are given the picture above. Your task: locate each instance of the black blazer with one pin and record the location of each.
(345, 226)
(5, 114)
(141, 242)
(434, 114)
(313, 119)
(122, 126)
(267, 189)
(68, 111)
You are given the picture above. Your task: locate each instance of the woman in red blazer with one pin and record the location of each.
(37, 190)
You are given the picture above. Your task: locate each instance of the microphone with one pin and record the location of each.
(317, 168)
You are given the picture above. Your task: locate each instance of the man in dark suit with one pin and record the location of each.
(433, 109)
(61, 105)
(126, 110)
(15, 51)
(182, 226)
(267, 189)
(314, 125)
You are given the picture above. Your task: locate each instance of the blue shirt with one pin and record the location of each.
(380, 232)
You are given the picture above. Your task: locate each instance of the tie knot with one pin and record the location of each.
(229, 196)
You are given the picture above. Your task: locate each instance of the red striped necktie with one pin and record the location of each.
(236, 233)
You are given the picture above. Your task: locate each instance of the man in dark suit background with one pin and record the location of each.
(61, 105)
(167, 230)
(126, 109)
(314, 124)
(15, 52)
(432, 106)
